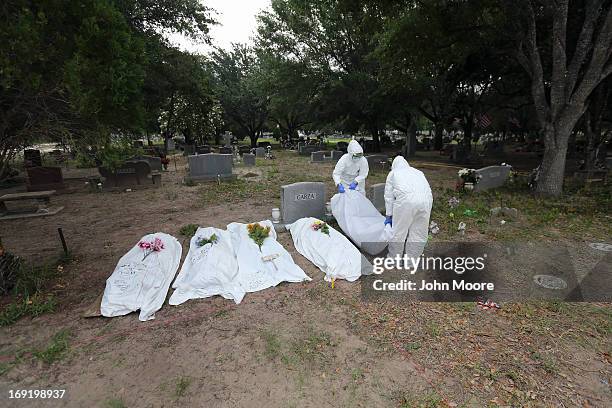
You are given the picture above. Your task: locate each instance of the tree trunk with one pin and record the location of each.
(375, 137)
(254, 136)
(552, 169)
(411, 141)
(467, 134)
(438, 134)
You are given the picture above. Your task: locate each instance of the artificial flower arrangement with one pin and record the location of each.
(211, 240)
(320, 226)
(469, 175)
(149, 247)
(258, 233)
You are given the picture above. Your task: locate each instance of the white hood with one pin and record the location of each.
(399, 163)
(354, 148)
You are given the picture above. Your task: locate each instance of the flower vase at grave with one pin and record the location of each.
(276, 215)
(468, 186)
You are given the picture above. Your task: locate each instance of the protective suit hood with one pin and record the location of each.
(354, 148)
(399, 163)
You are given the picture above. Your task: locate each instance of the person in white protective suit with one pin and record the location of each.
(352, 169)
(408, 202)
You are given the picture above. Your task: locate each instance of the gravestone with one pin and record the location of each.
(264, 144)
(32, 158)
(137, 144)
(204, 167)
(204, 149)
(171, 144)
(492, 177)
(336, 155)
(342, 146)
(226, 150)
(154, 162)
(376, 194)
(377, 161)
(248, 159)
(317, 157)
(609, 163)
(44, 178)
(308, 150)
(131, 173)
(299, 200)
(260, 152)
(244, 149)
(227, 140)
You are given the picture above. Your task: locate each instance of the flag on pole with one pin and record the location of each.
(484, 121)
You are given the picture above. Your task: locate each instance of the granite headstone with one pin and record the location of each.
(304, 199)
(492, 177)
(376, 194)
(248, 159)
(211, 166)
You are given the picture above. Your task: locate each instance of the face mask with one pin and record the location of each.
(357, 156)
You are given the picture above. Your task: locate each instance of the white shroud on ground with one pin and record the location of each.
(208, 270)
(256, 274)
(334, 254)
(138, 283)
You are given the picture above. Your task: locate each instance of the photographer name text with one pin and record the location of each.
(430, 286)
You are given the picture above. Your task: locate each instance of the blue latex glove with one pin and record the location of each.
(340, 188)
(353, 185)
(389, 220)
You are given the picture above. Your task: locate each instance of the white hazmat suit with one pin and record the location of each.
(352, 169)
(408, 199)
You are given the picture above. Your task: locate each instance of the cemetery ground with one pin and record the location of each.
(297, 344)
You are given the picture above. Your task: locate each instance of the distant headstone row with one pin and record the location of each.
(377, 161)
(306, 150)
(325, 156)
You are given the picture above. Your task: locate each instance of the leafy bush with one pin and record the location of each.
(114, 155)
(85, 160)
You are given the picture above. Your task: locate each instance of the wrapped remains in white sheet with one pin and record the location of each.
(142, 277)
(361, 221)
(210, 269)
(328, 249)
(261, 268)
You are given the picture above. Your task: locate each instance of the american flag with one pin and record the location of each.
(484, 121)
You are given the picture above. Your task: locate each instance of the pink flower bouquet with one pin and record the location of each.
(149, 247)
